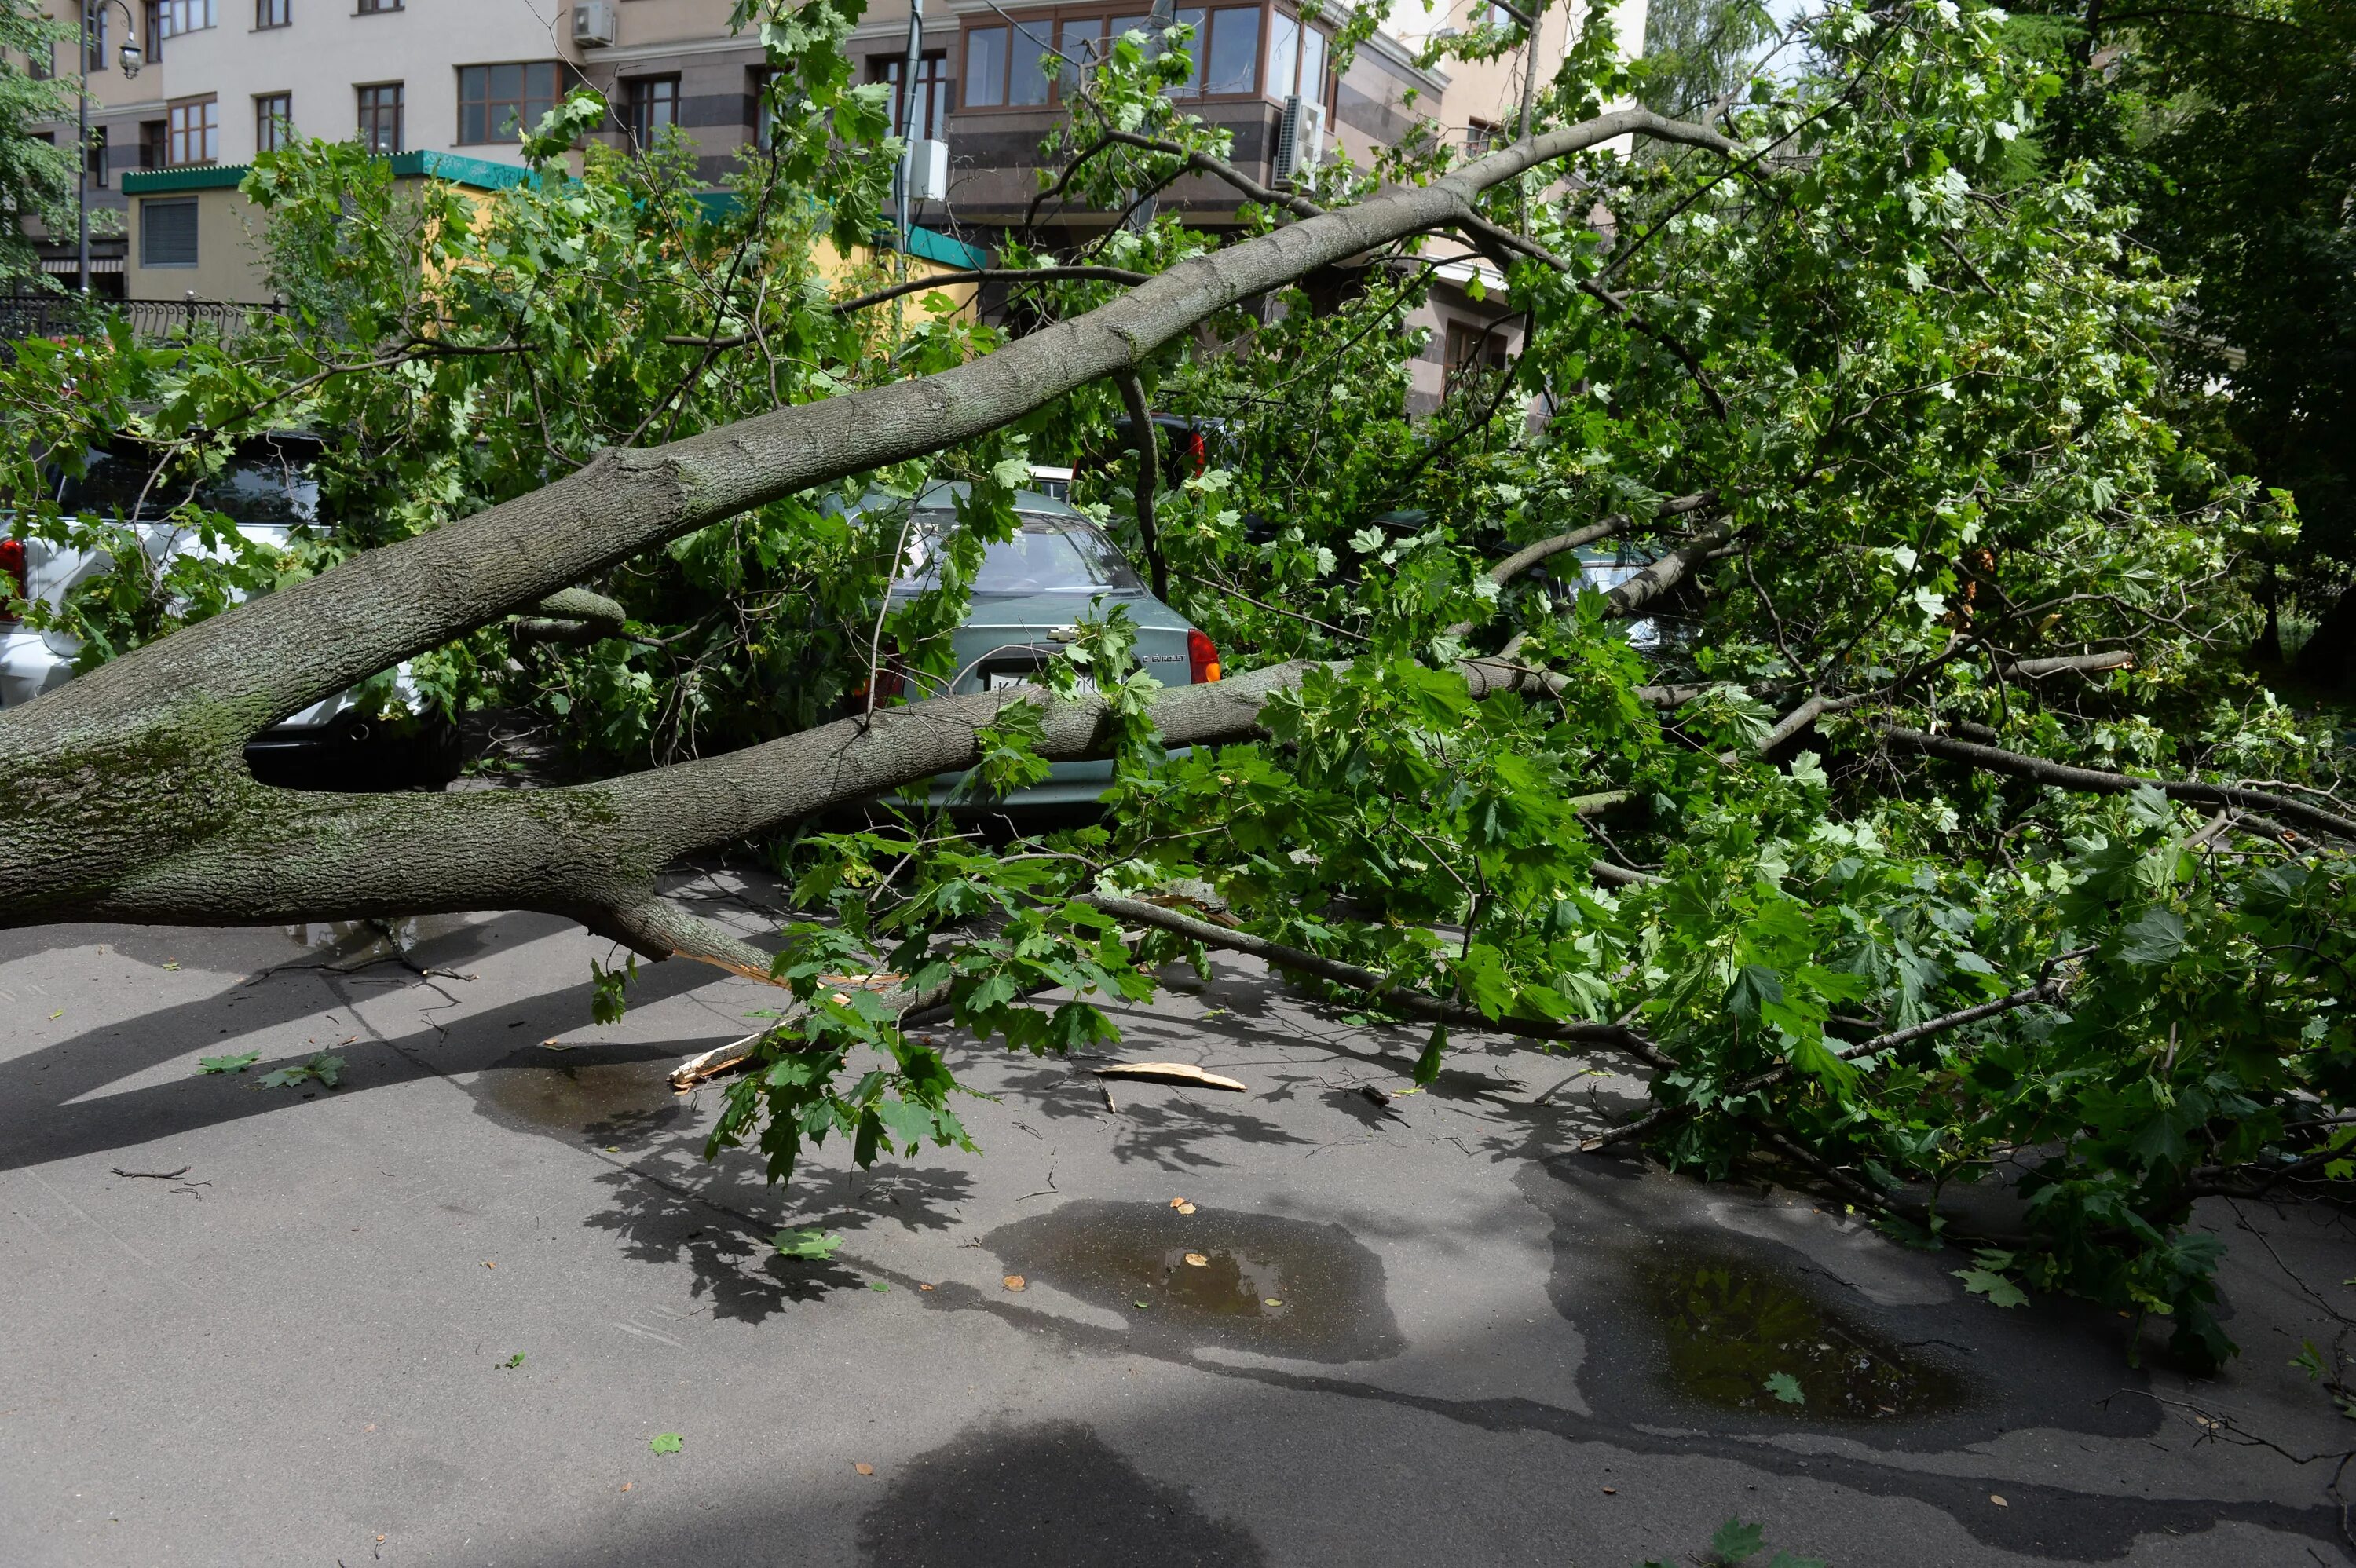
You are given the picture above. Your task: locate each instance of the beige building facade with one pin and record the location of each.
(453, 80)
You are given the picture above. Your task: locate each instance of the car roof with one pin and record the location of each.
(943, 495)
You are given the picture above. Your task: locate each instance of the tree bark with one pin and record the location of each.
(124, 794)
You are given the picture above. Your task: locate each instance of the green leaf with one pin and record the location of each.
(2156, 937)
(1786, 1388)
(323, 1068)
(236, 1062)
(664, 1443)
(806, 1244)
(514, 1360)
(2000, 1291)
(879, 1285)
(1426, 1066)
(1736, 1540)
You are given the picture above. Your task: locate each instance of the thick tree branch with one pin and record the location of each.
(2069, 663)
(2066, 775)
(381, 607)
(212, 844)
(1148, 475)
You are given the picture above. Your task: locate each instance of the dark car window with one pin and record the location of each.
(1048, 554)
(265, 484)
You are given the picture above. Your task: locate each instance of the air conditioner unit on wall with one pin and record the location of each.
(593, 23)
(1299, 138)
(929, 171)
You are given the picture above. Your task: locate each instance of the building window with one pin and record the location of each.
(1001, 64)
(151, 143)
(1296, 60)
(96, 154)
(192, 132)
(41, 62)
(1482, 137)
(1231, 56)
(380, 117)
(1472, 349)
(765, 116)
(93, 43)
(373, 7)
(654, 107)
(495, 102)
(274, 122)
(271, 13)
(932, 93)
(167, 233)
(170, 19)
(1002, 61)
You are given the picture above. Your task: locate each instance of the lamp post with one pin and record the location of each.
(132, 60)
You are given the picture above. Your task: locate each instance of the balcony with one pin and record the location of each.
(1010, 94)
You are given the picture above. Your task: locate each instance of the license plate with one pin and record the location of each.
(1003, 681)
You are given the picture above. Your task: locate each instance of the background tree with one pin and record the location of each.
(36, 177)
(1698, 51)
(1935, 835)
(2230, 127)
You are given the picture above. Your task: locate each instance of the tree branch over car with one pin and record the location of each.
(1811, 627)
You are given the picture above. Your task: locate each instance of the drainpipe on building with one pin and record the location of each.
(908, 74)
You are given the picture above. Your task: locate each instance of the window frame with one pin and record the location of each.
(635, 100)
(525, 119)
(273, 133)
(400, 90)
(1491, 350)
(1058, 18)
(149, 207)
(179, 131)
(376, 9)
(165, 13)
(940, 96)
(264, 10)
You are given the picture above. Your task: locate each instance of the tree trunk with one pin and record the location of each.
(124, 794)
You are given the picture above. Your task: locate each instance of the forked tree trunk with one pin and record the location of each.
(124, 795)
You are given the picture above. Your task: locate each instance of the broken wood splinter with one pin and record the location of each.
(1185, 1073)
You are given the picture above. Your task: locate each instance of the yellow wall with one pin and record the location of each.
(228, 266)
(229, 261)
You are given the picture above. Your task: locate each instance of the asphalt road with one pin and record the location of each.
(1418, 1334)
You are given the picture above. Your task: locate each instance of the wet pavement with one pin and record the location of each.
(278, 1324)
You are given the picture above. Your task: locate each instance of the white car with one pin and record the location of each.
(268, 491)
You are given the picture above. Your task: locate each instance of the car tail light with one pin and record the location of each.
(12, 562)
(1198, 453)
(887, 683)
(1202, 657)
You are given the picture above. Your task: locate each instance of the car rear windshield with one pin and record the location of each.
(266, 484)
(1047, 555)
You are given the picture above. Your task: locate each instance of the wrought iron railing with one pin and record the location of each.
(73, 315)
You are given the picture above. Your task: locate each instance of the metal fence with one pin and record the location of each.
(75, 316)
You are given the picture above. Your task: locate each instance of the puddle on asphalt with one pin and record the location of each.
(590, 1090)
(1279, 1286)
(1733, 1328)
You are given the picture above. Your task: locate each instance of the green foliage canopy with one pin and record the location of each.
(1900, 397)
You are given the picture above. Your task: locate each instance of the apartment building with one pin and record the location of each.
(445, 83)
(221, 80)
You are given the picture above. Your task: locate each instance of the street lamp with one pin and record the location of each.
(132, 60)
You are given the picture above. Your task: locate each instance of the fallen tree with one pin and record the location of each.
(1921, 633)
